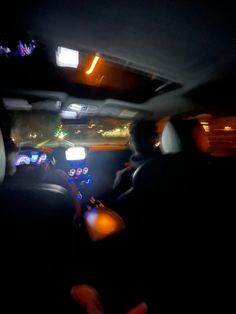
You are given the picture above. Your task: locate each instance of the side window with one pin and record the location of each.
(221, 133)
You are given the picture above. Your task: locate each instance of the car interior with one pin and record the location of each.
(82, 84)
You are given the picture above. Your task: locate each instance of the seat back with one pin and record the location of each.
(36, 244)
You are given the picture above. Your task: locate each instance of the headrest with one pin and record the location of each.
(2, 158)
(178, 136)
(170, 141)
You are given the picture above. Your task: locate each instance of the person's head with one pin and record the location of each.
(143, 135)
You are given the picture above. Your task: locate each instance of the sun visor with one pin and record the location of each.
(124, 112)
(16, 104)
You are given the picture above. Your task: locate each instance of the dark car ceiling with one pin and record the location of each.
(190, 42)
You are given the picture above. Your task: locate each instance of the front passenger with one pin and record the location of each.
(143, 138)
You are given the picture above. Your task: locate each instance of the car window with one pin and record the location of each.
(38, 129)
(221, 133)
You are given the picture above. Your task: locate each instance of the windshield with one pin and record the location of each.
(43, 129)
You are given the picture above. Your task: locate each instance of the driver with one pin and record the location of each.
(143, 140)
(41, 173)
(56, 175)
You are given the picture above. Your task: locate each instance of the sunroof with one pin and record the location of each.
(88, 75)
(116, 79)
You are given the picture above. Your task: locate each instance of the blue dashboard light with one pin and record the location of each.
(79, 196)
(87, 180)
(34, 158)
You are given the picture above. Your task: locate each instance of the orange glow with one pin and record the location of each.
(108, 147)
(87, 296)
(206, 127)
(93, 64)
(103, 222)
(140, 309)
(228, 128)
(91, 126)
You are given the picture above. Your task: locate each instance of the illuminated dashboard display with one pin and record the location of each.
(78, 172)
(71, 172)
(20, 48)
(34, 158)
(22, 160)
(42, 159)
(85, 170)
(75, 153)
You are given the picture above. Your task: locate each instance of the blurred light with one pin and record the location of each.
(206, 128)
(79, 196)
(92, 108)
(61, 136)
(204, 122)
(100, 131)
(4, 50)
(102, 223)
(75, 153)
(42, 158)
(79, 171)
(91, 126)
(67, 57)
(34, 158)
(76, 107)
(118, 132)
(85, 170)
(228, 128)
(68, 114)
(71, 172)
(93, 64)
(92, 216)
(22, 160)
(24, 49)
(128, 113)
(104, 147)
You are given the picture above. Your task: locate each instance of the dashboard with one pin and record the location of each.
(30, 156)
(74, 163)
(93, 172)
(79, 173)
